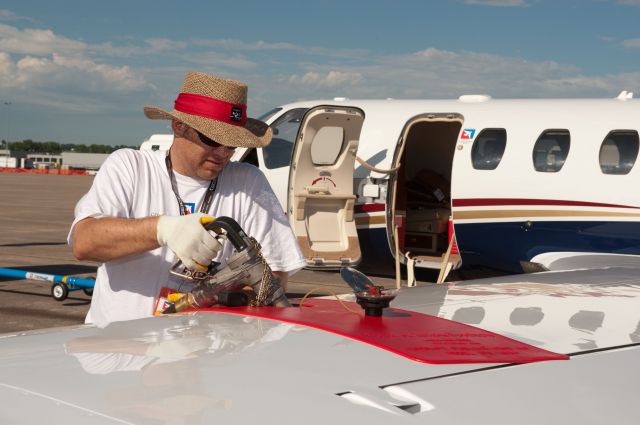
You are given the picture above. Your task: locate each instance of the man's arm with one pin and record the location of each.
(284, 278)
(107, 238)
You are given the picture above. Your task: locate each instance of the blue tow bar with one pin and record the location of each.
(61, 284)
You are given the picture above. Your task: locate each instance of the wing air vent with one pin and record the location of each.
(393, 399)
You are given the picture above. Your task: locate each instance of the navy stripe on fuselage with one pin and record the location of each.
(502, 246)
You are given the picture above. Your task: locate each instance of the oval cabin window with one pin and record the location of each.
(551, 150)
(619, 151)
(327, 145)
(488, 148)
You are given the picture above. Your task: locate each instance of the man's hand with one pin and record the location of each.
(188, 239)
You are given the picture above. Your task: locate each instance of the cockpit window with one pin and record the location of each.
(551, 150)
(488, 148)
(619, 151)
(269, 114)
(285, 129)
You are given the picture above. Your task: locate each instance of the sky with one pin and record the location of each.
(80, 71)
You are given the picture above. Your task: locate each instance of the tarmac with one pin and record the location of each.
(35, 214)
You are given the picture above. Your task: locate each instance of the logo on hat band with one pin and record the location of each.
(236, 114)
(208, 107)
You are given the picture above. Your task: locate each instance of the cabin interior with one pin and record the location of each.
(423, 187)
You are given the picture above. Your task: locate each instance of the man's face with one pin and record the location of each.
(195, 155)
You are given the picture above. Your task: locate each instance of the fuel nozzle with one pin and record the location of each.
(202, 296)
(199, 299)
(246, 267)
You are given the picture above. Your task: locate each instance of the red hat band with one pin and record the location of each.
(208, 107)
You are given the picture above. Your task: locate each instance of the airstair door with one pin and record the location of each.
(320, 193)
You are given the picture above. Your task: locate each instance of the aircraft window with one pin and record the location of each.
(251, 157)
(327, 145)
(619, 151)
(269, 114)
(285, 130)
(488, 148)
(551, 150)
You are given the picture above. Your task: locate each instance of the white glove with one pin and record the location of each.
(186, 236)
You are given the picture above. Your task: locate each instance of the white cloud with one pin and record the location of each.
(40, 67)
(32, 41)
(629, 2)
(436, 73)
(36, 42)
(498, 3)
(50, 69)
(331, 79)
(610, 84)
(232, 44)
(7, 68)
(7, 15)
(151, 46)
(632, 43)
(241, 45)
(219, 61)
(65, 72)
(158, 45)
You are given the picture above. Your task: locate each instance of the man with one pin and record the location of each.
(137, 217)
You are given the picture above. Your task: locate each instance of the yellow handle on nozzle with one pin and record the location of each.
(174, 297)
(206, 219)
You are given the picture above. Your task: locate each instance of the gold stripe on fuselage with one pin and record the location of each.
(486, 214)
(368, 220)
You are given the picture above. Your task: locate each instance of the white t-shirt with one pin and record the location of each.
(136, 184)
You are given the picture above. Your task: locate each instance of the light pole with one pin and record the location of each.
(7, 104)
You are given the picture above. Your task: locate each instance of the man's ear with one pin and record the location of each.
(179, 128)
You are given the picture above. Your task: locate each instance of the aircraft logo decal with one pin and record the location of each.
(468, 134)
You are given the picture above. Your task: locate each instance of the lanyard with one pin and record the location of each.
(208, 197)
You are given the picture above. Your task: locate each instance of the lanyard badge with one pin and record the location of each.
(208, 197)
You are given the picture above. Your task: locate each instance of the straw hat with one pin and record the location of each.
(216, 107)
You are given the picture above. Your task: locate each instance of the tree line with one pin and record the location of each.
(55, 148)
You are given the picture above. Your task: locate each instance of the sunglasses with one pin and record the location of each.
(212, 143)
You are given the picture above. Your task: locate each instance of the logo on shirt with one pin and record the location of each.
(468, 134)
(190, 207)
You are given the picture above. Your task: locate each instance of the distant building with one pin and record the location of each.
(72, 160)
(157, 142)
(39, 160)
(87, 161)
(12, 158)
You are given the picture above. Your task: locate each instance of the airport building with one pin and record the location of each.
(69, 160)
(73, 160)
(87, 161)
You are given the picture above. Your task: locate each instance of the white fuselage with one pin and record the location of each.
(436, 137)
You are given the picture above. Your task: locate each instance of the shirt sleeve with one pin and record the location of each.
(266, 222)
(112, 190)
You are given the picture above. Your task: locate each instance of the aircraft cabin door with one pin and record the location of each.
(320, 193)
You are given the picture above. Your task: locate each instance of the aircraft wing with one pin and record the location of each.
(236, 368)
